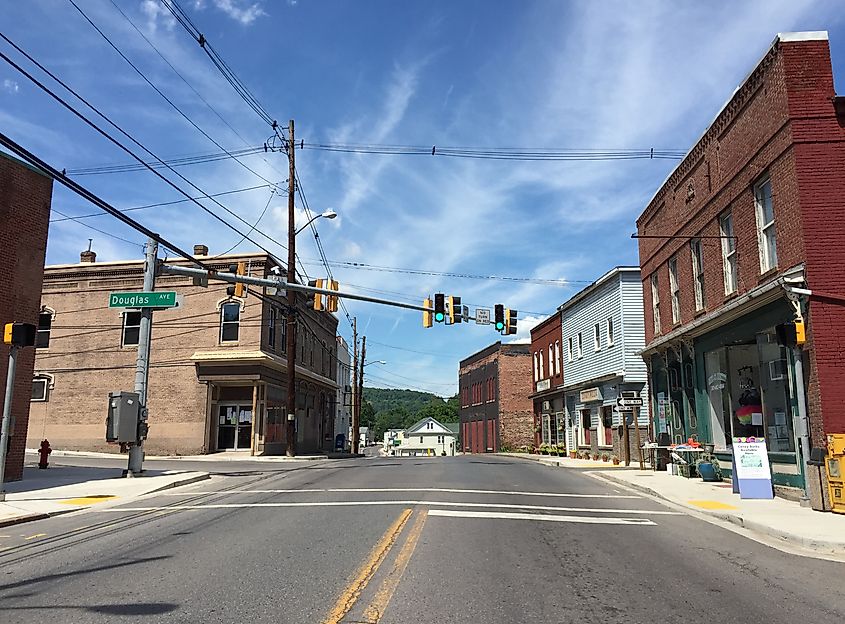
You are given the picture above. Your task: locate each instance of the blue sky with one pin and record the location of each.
(588, 74)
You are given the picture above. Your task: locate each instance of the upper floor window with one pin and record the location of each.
(551, 360)
(131, 329)
(557, 357)
(230, 321)
(542, 372)
(569, 349)
(536, 366)
(609, 331)
(726, 231)
(765, 224)
(41, 385)
(272, 319)
(580, 345)
(675, 290)
(597, 337)
(45, 324)
(697, 272)
(655, 302)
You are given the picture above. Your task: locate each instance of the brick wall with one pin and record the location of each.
(548, 334)
(516, 414)
(24, 217)
(783, 122)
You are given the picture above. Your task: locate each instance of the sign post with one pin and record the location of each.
(626, 404)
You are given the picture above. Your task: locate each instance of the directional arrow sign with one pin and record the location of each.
(629, 402)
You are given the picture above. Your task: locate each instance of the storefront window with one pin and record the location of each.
(748, 390)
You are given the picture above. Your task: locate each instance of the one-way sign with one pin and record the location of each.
(629, 402)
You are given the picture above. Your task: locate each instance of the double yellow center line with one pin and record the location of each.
(375, 610)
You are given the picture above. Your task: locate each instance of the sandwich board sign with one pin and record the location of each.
(752, 472)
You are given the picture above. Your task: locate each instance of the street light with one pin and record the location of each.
(328, 214)
(375, 362)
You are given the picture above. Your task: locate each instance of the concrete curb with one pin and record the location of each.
(819, 546)
(556, 463)
(60, 512)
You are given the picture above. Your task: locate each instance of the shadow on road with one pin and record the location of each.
(60, 575)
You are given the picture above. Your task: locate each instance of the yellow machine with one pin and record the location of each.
(836, 471)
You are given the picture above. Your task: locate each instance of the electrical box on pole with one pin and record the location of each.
(123, 417)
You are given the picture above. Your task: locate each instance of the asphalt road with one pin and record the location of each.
(464, 539)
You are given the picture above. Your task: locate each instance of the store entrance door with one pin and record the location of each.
(234, 426)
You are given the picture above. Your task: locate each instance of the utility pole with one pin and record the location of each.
(142, 360)
(355, 398)
(803, 426)
(291, 297)
(361, 381)
(7, 417)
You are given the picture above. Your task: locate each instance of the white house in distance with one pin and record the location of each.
(393, 437)
(427, 438)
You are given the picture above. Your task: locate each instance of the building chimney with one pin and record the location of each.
(88, 256)
(200, 250)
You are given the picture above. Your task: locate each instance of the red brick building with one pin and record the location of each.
(754, 210)
(494, 386)
(547, 382)
(25, 195)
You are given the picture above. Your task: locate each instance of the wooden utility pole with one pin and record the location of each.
(354, 433)
(639, 443)
(291, 297)
(361, 381)
(627, 454)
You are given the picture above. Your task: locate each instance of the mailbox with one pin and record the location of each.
(836, 471)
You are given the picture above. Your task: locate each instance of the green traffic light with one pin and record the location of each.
(500, 326)
(439, 317)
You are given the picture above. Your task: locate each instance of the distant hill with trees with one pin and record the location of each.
(385, 408)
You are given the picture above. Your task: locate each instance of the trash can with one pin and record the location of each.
(816, 476)
(835, 465)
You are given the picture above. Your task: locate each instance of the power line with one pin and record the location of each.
(182, 161)
(34, 160)
(123, 147)
(159, 204)
(91, 227)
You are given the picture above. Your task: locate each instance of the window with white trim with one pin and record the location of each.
(655, 302)
(609, 331)
(41, 388)
(580, 346)
(569, 349)
(131, 329)
(675, 290)
(272, 319)
(697, 253)
(536, 366)
(230, 321)
(551, 360)
(765, 224)
(540, 357)
(557, 357)
(729, 268)
(45, 324)
(597, 337)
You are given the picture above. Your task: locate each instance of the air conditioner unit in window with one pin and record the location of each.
(546, 406)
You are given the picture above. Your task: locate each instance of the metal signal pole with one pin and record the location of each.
(291, 297)
(361, 382)
(142, 360)
(355, 398)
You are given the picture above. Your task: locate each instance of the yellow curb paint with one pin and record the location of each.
(365, 574)
(88, 500)
(375, 611)
(36, 535)
(708, 504)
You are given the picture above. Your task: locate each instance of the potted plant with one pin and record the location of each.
(573, 454)
(615, 459)
(708, 468)
(595, 456)
(544, 449)
(605, 457)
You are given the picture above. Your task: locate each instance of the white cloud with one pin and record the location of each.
(156, 13)
(524, 327)
(10, 86)
(240, 12)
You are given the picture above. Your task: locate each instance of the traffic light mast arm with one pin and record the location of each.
(280, 283)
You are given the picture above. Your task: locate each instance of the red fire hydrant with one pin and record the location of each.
(44, 452)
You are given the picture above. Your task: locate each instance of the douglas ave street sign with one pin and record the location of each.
(157, 299)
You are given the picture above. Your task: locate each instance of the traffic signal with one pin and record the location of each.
(791, 334)
(510, 321)
(239, 289)
(439, 308)
(331, 300)
(318, 297)
(427, 313)
(19, 334)
(454, 310)
(499, 317)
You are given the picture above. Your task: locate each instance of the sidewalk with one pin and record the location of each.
(785, 521)
(62, 489)
(210, 457)
(566, 462)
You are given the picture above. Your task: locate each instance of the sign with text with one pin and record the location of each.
(751, 462)
(157, 299)
(482, 316)
(590, 394)
(543, 384)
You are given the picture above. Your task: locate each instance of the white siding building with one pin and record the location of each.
(427, 437)
(603, 333)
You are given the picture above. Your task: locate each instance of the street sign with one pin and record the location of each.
(157, 299)
(629, 402)
(482, 316)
